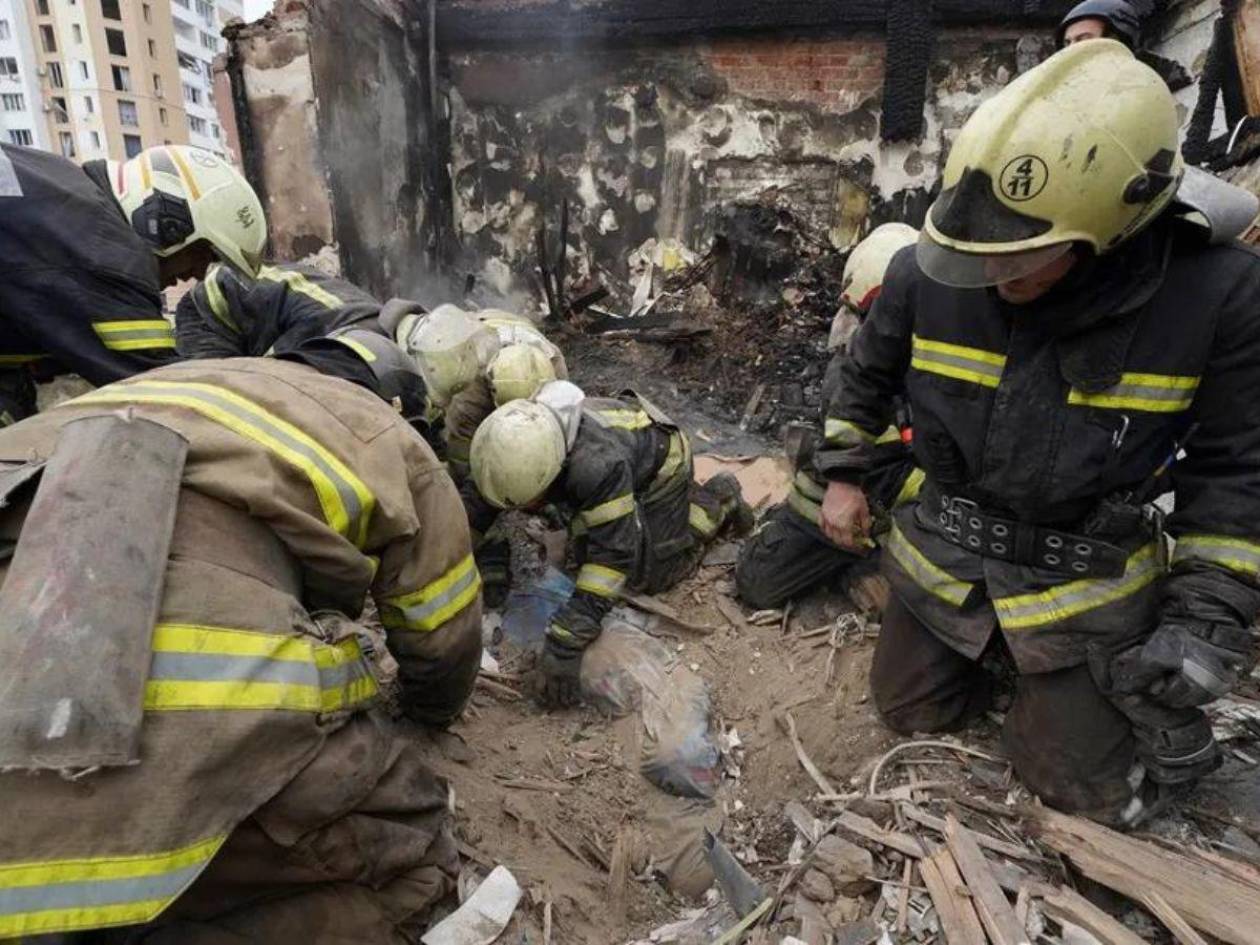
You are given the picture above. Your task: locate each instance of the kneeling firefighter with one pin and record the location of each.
(794, 549)
(1072, 341)
(202, 756)
(622, 471)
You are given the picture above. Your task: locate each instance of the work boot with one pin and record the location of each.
(725, 488)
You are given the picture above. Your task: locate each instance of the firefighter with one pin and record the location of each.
(474, 362)
(790, 553)
(229, 314)
(86, 251)
(1100, 19)
(270, 797)
(623, 471)
(1063, 333)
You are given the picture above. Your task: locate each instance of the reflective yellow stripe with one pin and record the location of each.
(564, 636)
(608, 511)
(200, 667)
(346, 501)
(891, 435)
(701, 521)
(20, 358)
(67, 895)
(928, 576)
(217, 300)
(600, 580)
(808, 487)
(843, 433)
(357, 347)
(436, 602)
(1155, 393)
(624, 419)
(300, 283)
(809, 510)
(910, 488)
(957, 361)
(186, 173)
(136, 335)
(679, 453)
(1076, 597)
(1237, 554)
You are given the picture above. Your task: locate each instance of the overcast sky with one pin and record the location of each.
(256, 8)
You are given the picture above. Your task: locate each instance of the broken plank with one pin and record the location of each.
(1218, 901)
(1064, 904)
(959, 922)
(750, 409)
(806, 762)
(532, 784)
(995, 912)
(653, 606)
(867, 829)
(1179, 927)
(920, 816)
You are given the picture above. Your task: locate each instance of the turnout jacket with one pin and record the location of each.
(79, 288)
(228, 314)
(300, 493)
(1038, 413)
(621, 460)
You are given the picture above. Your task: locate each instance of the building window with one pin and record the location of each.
(214, 131)
(8, 67)
(67, 144)
(148, 13)
(210, 42)
(41, 7)
(183, 3)
(116, 42)
(109, 10)
(122, 78)
(127, 113)
(192, 94)
(192, 63)
(96, 141)
(48, 39)
(77, 30)
(157, 85)
(184, 31)
(21, 136)
(13, 102)
(55, 78)
(61, 113)
(206, 10)
(210, 97)
(196, 125)
(162, 117)
(88, 105)
(132, 145)
(5, 32)
(152, 49)
(84, 72)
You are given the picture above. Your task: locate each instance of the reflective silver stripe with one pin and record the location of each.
(927, 575)
(957, 361)
(1076, 597)
(346, 501)
(212, 667)
(608, 511)
(1157, 393)
(433, 605)
(92, 893)
(1237, 554)
(600, 580)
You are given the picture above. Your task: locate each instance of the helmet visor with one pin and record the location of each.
(961, 270)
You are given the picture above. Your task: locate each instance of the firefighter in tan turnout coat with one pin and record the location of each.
(270, 800)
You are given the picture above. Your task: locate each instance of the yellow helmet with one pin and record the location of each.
(177, 195)
(517, 372)
(450, 347)
(1081, 149)
(517, 453)
(864, 269)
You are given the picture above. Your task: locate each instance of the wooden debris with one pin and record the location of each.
(789, 725)
(920, 816)
(1219, 901)
(653, 606)
(764, 618)
(730, 610)
(1064, 904)
(1179, 927)
(533, 784)
(873, 788)
(547, 922)
(736, 932)
(570, 847)
(859, 933)
(750, 410)
(995, 912)
(619, 872)
(903, 896)
(959, 922)
(867, 829)
(498, 689)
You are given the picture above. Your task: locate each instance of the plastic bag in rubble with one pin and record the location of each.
(530, 608)
(627, 670)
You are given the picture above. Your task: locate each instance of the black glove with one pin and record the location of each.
(561, 668)
(1185, 663)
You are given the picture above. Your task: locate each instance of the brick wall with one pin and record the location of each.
(835, 74)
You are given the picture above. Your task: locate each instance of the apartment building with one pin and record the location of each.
(198, 24)
(21, 117)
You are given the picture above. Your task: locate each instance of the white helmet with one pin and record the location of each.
(517, 372)
(517, 453)
(866, 265)
(450, 347)
(177, 195)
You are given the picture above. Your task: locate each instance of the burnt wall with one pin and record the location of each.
(660, 141)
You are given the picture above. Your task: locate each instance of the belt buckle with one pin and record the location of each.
(953, 509)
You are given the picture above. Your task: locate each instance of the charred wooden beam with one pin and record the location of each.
(557, 24)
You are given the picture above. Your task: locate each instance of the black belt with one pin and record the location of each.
(961, 522)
